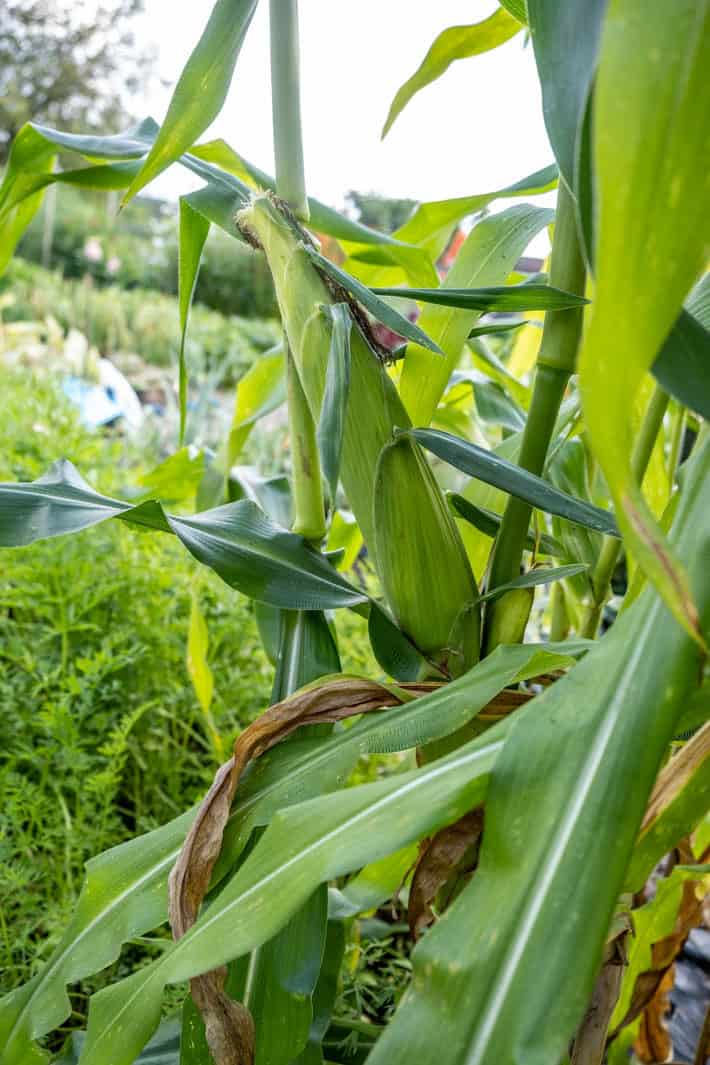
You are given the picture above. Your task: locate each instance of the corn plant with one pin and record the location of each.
(551, 775)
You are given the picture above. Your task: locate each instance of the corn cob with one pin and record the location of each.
(425, 573)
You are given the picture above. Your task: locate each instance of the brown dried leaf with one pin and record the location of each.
(653, 1043)
(228, 1024)
(675, 775)
(448, 854)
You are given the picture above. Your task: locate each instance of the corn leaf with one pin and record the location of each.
(125, 893)
(323, 219)
(651, 144)
(303, 847)
(565, 803)
(487, 256)
(491, 468)
(565, 36)
(244, 547)
(432, 222)
(525, 297)
(517, 8)
(534, 578)
(331, 424)
(457, 42)
(488, 522)
(377, 307)
(682, 366)
(201, 89)
(194, 228)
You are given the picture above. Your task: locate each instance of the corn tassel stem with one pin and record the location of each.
(555, 364)
(611, 546)
(306, 479)
(286, 106)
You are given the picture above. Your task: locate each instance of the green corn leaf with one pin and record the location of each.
(176, 478)
(564, 806)
(525, 297)
(303, 847)
(392, 648)
(201, 89)
(325, 993)
(487, 256)
(565, 36)
(322, 218)
(653, 922)
(377, 307)
(685, 800)
(281, 979)
(651, 145)
(457, 42)
(306, 651)
(194, 228)
(535, 577)
(331, 424)
(683, 363)
(20, 192)
(163, 1048)
(377, 882)
(260, 391)
(247, 550)
(488, 522)
(432, 222)
(126, 889)
(489, 467)
(492, 328)
(344, 535)
(517, 8)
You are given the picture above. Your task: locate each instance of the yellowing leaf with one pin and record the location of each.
(651, 147)
(199, 670)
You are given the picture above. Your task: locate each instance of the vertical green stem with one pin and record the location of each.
(677, 430)
(286, 105)
(307, 483)
(555, 364)
(611, 546)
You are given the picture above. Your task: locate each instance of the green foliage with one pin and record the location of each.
(102, 736)
(456, 467)
(139, 249)
(139, 321)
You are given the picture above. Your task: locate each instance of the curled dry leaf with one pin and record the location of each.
(448, 856)
(229, 1026)
(654, 1043)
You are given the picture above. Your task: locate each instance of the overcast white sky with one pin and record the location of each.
(478, 127)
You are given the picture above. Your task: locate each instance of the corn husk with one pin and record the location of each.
(425, 573)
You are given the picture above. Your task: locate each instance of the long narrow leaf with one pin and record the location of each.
(563, 809)
(497, 471)
(457, 42)
(201, 89)
(247, 550)
(193, 233)
(501, 298)
(126, 889)
(331, 425)
(377, 307)
(487, 256)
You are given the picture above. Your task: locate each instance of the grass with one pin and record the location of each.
(101, 735)
(100, 732)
